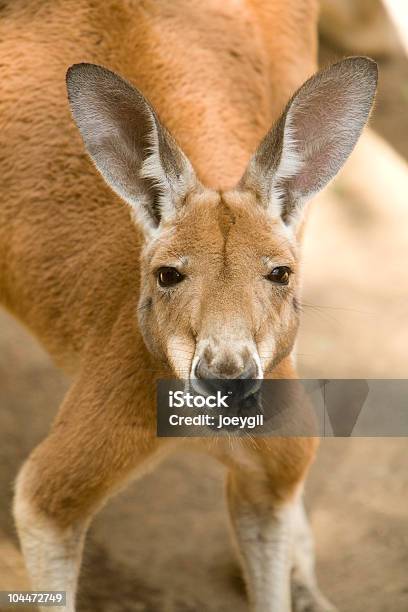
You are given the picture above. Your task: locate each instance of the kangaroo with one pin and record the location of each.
(176, 253)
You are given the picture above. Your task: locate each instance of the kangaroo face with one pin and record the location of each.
(219, 269)
(218, 290)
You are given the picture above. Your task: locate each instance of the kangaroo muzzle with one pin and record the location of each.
(233, 370)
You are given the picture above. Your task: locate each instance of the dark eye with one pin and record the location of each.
(167, 276)
(280, 275)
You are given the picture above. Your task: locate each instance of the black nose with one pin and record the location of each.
(237, 378)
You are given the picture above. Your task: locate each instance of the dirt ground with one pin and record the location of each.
(163, 545)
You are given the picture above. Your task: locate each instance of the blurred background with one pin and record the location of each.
(163, 545)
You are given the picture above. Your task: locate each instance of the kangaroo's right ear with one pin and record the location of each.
(135, 154)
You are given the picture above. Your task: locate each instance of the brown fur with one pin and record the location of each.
(69, 251)
(218, 74)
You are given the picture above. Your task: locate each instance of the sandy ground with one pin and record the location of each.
(163, 545)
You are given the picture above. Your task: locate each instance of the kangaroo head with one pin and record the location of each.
(220, 270)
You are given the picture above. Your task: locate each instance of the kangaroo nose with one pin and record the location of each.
(228, 374)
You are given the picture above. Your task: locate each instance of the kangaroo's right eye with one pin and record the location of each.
(168, 277)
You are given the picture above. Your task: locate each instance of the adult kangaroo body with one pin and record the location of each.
(200, 280)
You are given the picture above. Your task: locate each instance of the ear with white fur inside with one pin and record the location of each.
(135, 154)
(313, 138)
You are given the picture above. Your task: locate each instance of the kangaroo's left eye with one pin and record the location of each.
(280, 275)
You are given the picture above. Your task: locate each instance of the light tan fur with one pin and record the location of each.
(75, 269)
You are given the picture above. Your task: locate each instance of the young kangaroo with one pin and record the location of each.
(200, 280)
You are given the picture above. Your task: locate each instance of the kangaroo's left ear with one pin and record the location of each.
(313, 138)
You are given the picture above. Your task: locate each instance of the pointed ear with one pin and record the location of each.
(313, 138)
(135, 154)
